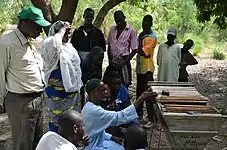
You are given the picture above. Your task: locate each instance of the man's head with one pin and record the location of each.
(119, 18)
(88, 16)
(71, 126)
(147, 23)
(96, 90)
(135, 138)
(113, 80)
(97, 54)
(188, 45)
(171, 35)
(31, 22)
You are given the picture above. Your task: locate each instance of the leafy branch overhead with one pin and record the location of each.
(212, 8)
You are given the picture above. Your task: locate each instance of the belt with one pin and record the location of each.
(33, 94)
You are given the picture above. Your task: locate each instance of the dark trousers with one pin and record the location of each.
(25, 116)
(142, 81)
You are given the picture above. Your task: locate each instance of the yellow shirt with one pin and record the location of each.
(143, 64)
(21, 65)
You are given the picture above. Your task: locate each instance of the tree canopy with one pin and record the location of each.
(212, 8)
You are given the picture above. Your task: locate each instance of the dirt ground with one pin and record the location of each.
(210, 79)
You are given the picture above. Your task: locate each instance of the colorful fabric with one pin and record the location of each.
(57, 99)
(53, 127)
(53, 51)
(121, 47)
(148, 44)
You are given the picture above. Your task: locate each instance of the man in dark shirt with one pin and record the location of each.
(86, 39)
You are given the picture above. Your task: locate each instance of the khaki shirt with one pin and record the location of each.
(21, 65)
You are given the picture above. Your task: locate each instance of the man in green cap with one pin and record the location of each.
(97, 120)
(21, 79)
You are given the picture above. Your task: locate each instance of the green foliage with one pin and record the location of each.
(179, 14)
(212, 8)
(218, 54)
(9, 11)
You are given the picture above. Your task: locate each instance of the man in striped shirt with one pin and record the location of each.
(122, 46)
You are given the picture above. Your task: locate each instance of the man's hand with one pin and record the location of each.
(117, 140)
(147, 95)
(2, 109)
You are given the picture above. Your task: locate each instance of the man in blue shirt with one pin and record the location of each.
(97, 119)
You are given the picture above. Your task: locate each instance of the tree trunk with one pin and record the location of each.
(104, 10)
(45, 6)
(68, 9)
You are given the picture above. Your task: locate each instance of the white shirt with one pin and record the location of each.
(21, 65)
(53, 141)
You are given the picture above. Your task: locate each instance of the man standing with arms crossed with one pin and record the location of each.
(21, 77)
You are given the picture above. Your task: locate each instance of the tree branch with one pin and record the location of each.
(104, 10)
(68, 9)
(46, 7)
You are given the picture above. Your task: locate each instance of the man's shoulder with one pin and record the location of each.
(89, 107)
(79, 29)
(52, 140)
(49, 134)
(162, 44)
(97, 29)
(130, 27)
(8, 38)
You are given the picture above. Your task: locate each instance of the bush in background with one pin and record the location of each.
(218, 54)
(198, 45)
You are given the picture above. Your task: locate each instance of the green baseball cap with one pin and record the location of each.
(34, 14)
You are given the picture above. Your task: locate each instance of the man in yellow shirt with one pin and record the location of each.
(145, 64)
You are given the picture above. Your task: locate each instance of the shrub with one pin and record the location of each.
(218, 54)
(198, 45)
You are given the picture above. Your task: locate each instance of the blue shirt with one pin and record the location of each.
(97, 120)
(122, 100)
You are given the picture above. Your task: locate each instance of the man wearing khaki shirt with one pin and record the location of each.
(21, 79)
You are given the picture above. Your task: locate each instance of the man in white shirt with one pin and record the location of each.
(135, 138)
(21, 76)
(71, 134)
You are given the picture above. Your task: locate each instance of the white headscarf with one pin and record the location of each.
(53, 50)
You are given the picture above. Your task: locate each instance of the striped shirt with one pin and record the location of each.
(126, 42)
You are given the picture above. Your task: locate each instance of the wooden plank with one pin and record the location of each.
(162, 83)
(189, 97)
(177, 91)
(182, 102)
(196, 106)
(187, 109)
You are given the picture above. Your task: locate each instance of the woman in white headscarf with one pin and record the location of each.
(62, 73)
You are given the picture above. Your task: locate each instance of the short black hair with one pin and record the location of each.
(135, 137)
(67, 120)
(88, 10)
(148, 18)
(110, 75)
(118, 12)
(191, 41)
